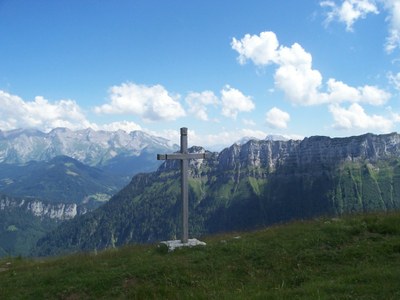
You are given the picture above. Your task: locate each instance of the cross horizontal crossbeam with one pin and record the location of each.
(181, 156)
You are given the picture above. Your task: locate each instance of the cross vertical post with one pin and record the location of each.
(184, 186)
(184, 157)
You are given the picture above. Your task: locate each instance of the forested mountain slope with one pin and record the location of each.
(243, 187)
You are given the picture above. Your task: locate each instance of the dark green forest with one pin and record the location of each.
(148, 209)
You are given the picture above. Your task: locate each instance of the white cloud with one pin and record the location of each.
(151, 103)
(45, 116)
(224, 138)
(198, 103)
(294, 56)
(260, 49)
(216, 142)
(349, 11)
(373, 95)
(277, 118)
(121, 125)
(341, 92)
(39, 114)
(356, 118)
(233, 101)
(296, 77)
(393, 39)
(301, 83)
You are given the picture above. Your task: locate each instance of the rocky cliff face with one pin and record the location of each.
(271, 155)
(40, 209)
(247, 186)
(24, 220)
(264, 154)
(262, 157)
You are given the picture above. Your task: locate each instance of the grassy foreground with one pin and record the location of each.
(350, 258)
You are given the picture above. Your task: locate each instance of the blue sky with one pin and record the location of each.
(224, 69)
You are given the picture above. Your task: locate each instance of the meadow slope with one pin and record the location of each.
(355, 257)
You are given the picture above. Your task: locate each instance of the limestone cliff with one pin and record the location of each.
(243, 187)
(37, 208)
(270, 155)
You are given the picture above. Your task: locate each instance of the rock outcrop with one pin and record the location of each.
(40, 209)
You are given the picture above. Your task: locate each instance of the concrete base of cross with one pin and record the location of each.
(172, 245)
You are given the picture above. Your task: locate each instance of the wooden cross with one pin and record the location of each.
(184, 157)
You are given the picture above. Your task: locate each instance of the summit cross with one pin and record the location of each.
(184, 157)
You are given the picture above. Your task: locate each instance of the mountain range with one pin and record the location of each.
(34, 163)
(106, 149)
(64, 169)
(243, 187)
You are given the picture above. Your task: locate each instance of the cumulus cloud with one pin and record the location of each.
(260, 49)
(45, 115)
(127, 126)
(40, 113)
(224, 138)
(296, 77)
(277, 118)
(341, 92)
(234, 101)
(349, 11)
(151, 103)
(198, 103)
(217, 141)
(355, 117)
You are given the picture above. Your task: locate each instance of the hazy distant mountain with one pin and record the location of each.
(112, 150)
(74, 166)
(244, 187)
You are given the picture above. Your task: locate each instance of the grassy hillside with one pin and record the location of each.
(349, 258)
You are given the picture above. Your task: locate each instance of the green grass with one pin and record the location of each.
(350, 258)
